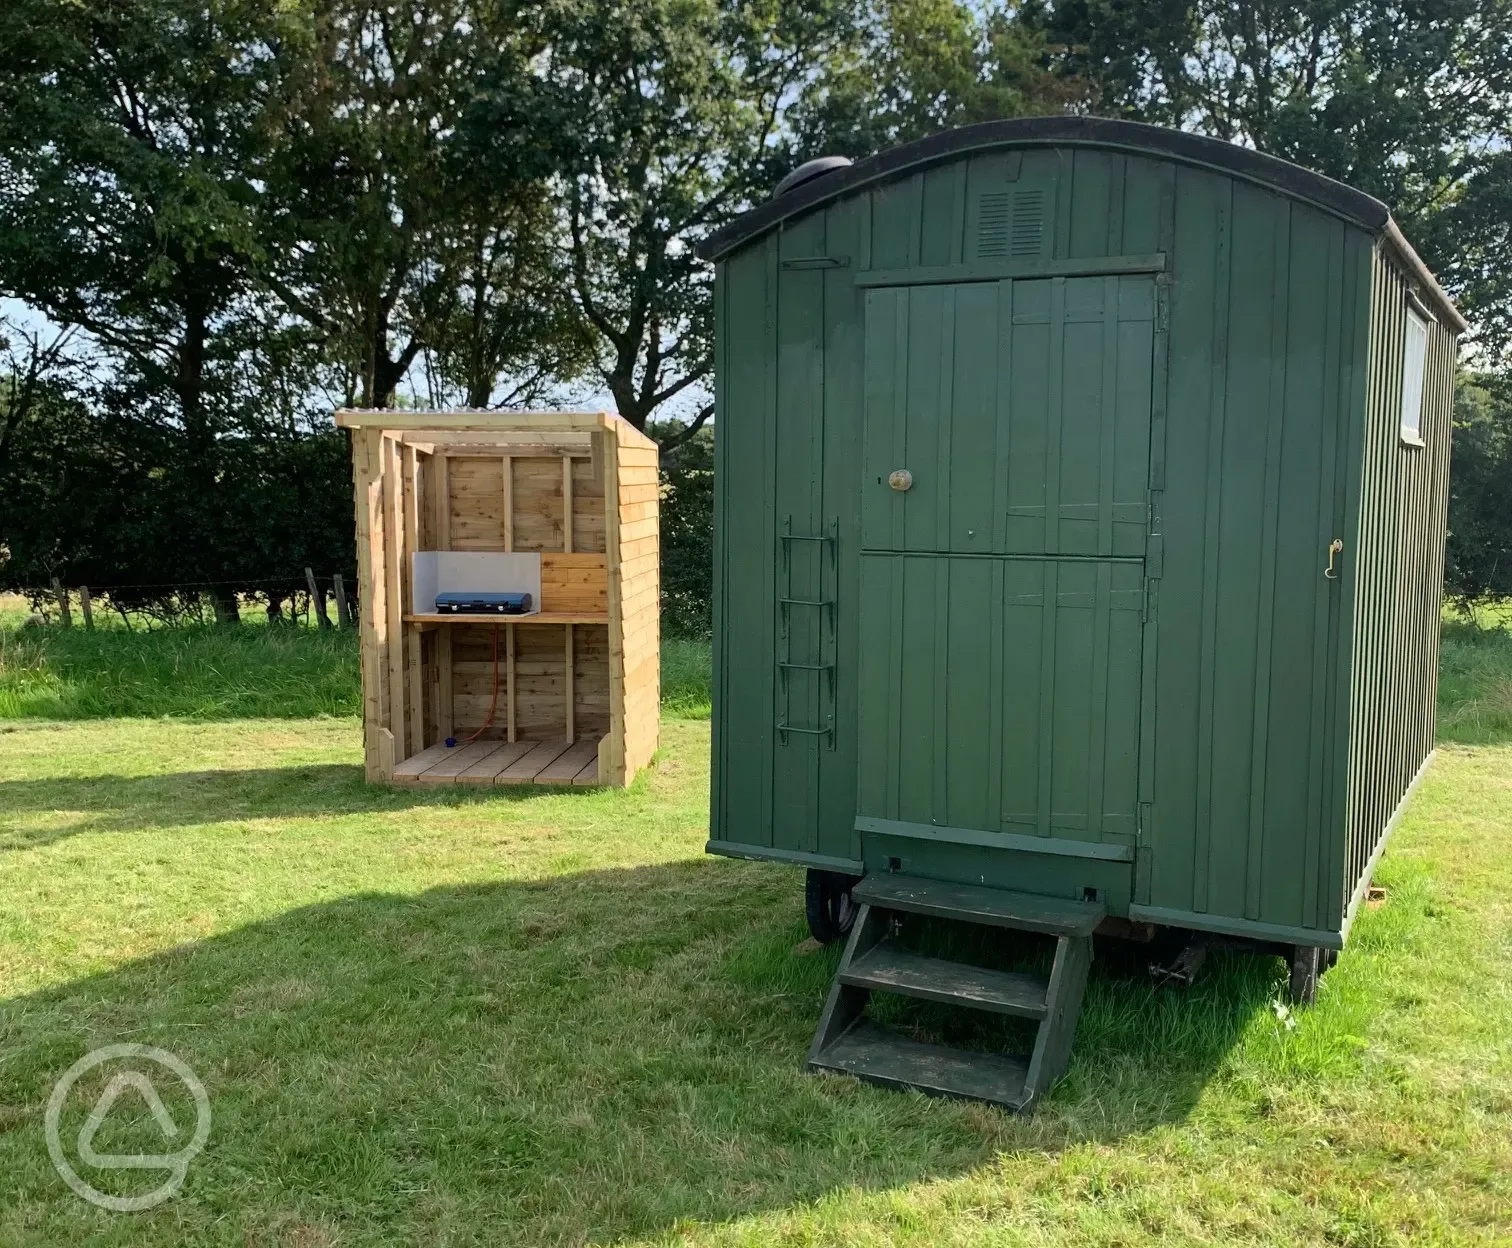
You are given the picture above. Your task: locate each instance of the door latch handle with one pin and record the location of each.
(900, 479)
(1334, 548)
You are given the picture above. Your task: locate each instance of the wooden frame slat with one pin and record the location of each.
(414, 656)
(569, 664)
(484, 771)
(393, 559)
(507, 508)
(509, 681)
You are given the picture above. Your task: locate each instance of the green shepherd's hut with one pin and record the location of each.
(1079, 540)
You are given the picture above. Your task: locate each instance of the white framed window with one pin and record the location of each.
(1414, 355)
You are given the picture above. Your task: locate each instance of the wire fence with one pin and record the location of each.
(327, 602)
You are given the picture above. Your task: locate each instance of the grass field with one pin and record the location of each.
(546, 1017)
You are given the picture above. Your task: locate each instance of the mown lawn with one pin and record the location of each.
(547, 1017)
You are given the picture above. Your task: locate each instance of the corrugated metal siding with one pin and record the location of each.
(1398, 568)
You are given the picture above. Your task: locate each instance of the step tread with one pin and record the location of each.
(880, 1056)
(891, 968)
(971, 903)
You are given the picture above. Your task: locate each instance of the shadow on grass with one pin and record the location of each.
(594, 1056)
(112, 803)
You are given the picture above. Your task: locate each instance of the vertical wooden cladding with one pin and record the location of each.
(745, 538)
(1396, 579)
(923, 321)
(1021, 408)
(1001, 695)
(581, 490)
(801, 697)
(789, 384)
(1092, 203)
(1264, 364)
(790, 381)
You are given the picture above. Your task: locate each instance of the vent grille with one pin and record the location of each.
(1028, 222)
(993, 226)
(1011, 224)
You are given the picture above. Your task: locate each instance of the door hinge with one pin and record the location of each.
(1154, 556)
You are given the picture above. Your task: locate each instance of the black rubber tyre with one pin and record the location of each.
(1306, 967)
(828, 904)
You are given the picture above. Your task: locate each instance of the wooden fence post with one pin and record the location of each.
(317, 598)
(343, 607)
(87, 606)
(62, 596)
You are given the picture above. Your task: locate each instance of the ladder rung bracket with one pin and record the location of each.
(789, 597)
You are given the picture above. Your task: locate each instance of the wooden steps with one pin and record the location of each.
(875, 961)
(557, 761)
(880, 1056)
(1053, 916)
(891, 968)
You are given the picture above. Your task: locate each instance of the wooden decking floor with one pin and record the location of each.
(504, 762)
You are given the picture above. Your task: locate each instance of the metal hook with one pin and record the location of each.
(1334, 547)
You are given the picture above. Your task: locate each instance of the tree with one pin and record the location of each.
(924, 66)
(34, 359)
(668, 116)
(396, 244)
(687, 529)
(1409, 100)
(132, 138)
(1471, 240)
(510, 338)
(84, 496)
(1478, 558)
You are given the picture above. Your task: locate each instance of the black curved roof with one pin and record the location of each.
(1355, 207)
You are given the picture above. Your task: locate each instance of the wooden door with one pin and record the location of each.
(1003, 592)
(1022, 411)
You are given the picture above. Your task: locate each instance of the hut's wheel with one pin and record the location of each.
(828, 903)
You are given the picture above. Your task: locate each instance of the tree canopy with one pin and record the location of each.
(1408, 100)
(241, 213)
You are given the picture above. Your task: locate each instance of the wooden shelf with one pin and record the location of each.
(539, 617)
